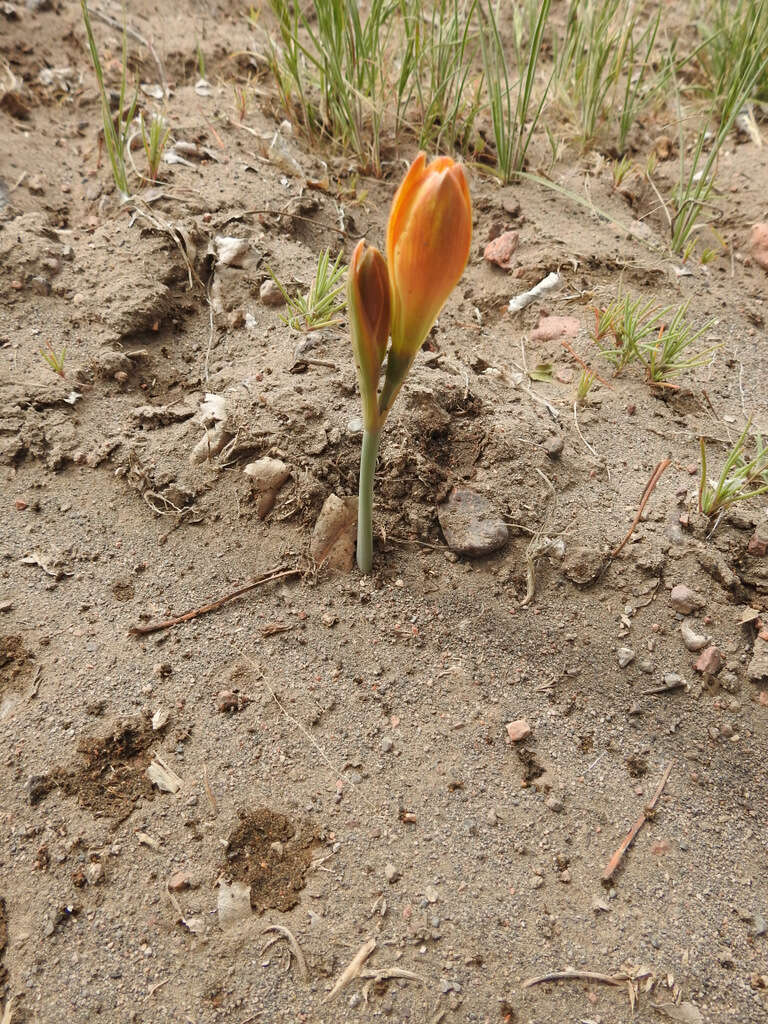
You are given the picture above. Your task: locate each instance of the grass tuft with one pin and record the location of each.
(514, 114)
(740, 479)
(324, 303)
(117, 127)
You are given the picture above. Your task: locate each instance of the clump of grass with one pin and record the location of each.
(620, 169)
(324, 303)
(629, 322)
(117, 127)
(670, 355)
(604, 66)
(639, 334)
(740, 479)
(584, 384)
(154, 139)
(435, 74)
(732, 31)
(54, 359)
(737, 81)
(200, 56)
(330, 71)
(514, 114)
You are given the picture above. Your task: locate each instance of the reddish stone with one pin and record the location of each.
(518, 730)
(709, 662)
(758, 544)
(178, 882)
(552, 327)
(500, 250)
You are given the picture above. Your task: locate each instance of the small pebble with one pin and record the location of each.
(518, 730)
(270, 294)
(391, 873)
(685, 600)
(693, 641)
(625, 656)
(553, 446)
(710, 662)
(554, 803)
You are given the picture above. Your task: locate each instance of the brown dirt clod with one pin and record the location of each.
(268, 853)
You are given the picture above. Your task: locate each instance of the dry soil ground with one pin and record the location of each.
(341, 742)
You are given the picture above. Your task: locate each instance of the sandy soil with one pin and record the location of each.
(341, 742)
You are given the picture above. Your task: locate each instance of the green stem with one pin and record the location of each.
(365, 500)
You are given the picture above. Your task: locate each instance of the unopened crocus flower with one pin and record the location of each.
(369, 305)
(428, 240)
(369, 308)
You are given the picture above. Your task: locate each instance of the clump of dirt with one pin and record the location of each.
(267, 852)
(15, 663)
(111, 776)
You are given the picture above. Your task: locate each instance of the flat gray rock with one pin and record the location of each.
(470, 524)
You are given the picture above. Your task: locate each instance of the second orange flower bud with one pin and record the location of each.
(369, 311)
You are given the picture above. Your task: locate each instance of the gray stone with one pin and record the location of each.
(685, 600)
(625, 656)
(553, 446)
(470, 524)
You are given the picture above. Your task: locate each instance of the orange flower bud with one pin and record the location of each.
(369, 311)
(428, 240)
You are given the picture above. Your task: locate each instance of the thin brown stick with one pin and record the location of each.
(605, 979)
(615, 860)
(155, 627)
(649, 489)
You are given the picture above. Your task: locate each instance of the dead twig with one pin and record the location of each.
(352, 970)
(649, 489)
(538, 545)
(604, 979)
(284, 933)
(678, 684)
(155, 627)
(36, 682)
(648, 810)
(385, 974)
(209, 792)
